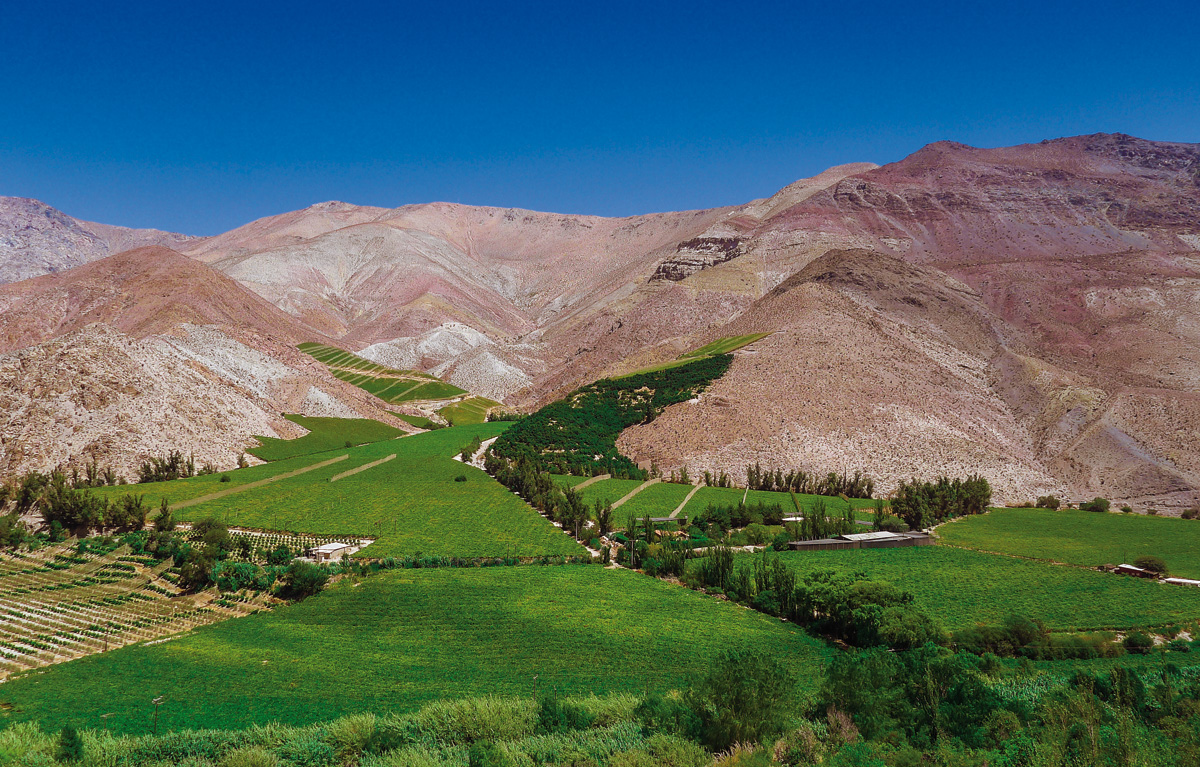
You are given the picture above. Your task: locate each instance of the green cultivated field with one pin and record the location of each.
(410, 504)
(655, 501)
(964, 588)
(1081, 537)
(384, 382)
(470, 410)
(568, 480)
(726, 345)
(403, 638)
(323, 434)
(608, 490)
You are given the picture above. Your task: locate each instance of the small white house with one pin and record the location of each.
(331, 552)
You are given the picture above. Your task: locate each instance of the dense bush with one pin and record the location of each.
(165, 468)
(81, 510)
(1047, 502)
(1096, 504)
(1022, 637)
(921, 504)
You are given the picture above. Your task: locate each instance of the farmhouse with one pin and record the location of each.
(1138, 572)
(331, 552)
(874, 540)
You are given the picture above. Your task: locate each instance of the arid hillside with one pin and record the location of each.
(1028, 312)
(145, 351)
(36, 239)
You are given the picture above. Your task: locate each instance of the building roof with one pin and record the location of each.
(1182, 581)
(1124, 566)
(329, 548)
(878, 535)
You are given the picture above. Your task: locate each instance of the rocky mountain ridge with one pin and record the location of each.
(1029, 312)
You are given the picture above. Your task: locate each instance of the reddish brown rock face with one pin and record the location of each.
(1029, 312)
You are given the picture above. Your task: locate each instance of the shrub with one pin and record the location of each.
(756, 534)
(70, 745)
(1179, 645)
(253, 756)
(303, 579)
(745, 697)
(351, 735)
(1152, 563)
(1138, 643)
(1096, 504)
(1191, 513)
(1151, 512)
(461, 478)
(558, 715)
(1047, 502)
(224, 477)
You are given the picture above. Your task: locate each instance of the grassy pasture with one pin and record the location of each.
(468, 411)
(1081, 537)
(410, 504)
(964, 588)
(403, 638)
(323, 434)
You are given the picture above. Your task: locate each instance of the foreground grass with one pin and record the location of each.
(1081, 537)
(411, 504)
(397, 640)
(323, 434)
(964, 588)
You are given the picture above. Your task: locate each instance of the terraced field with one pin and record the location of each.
(963, 588)
(57, 605)
(389, 385)
(468, 411)
(410, 505)
(397, 640)
(323, 434)
(1081, 537)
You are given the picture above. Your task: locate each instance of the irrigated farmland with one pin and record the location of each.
(964, 588)
(389, 385)
(396, 640)
(323, 434)
(1082, 537)
(411, 504)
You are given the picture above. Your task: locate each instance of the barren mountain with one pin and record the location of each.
(36, 239)
(1027, 312)
(147, 350)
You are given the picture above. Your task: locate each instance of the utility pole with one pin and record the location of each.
(157, 702)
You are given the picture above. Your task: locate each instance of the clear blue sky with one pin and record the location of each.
(200, 116)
